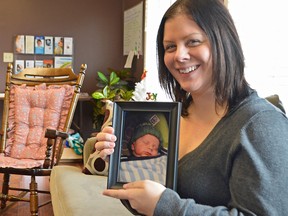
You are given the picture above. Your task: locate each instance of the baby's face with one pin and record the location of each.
(146, 145)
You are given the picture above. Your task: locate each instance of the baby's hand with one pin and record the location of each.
(105, 142)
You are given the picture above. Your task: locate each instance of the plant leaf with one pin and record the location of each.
(114, 81)
(102, 77)
(97, 95)
(114, 78)
(106, 92)
(111, 96)
(112, 75)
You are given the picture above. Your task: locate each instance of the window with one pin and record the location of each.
(262, 30)
(155, 9)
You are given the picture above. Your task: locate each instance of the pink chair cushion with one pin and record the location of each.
(32, 110)
(19, 163)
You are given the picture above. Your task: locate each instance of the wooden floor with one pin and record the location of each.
(23, 208)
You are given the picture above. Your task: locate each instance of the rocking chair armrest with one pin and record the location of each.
(52, 136)
(1, 141)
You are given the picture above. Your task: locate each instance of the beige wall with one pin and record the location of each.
(96, 27)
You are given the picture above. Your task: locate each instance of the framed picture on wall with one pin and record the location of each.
(29, 44)
(38, 63)
(19, 66)
(29, 64)
(48, 63)
(58, 45)
(20, 44)
(68, 45)
(39, 45)
(48, 45)
(63, 62)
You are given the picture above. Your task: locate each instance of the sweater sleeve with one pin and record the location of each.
(258, 173)
(170, 204)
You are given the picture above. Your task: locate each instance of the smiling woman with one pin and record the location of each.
(187, 54)
(230, 138)
(267, 79)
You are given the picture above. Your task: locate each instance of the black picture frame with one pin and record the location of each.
(123, 112)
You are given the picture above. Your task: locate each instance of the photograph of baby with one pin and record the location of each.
(144, 148)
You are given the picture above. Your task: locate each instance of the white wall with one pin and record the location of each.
(154, 12)
(262, 27)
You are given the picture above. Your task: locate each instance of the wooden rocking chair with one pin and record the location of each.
(39, 105)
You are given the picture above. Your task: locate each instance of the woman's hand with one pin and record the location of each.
(105, 142)
(142, 195)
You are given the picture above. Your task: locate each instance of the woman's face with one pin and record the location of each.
(60, 43)
(188, 54)
(146, 145)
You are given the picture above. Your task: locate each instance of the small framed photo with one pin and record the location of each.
(58, 45)
(48, 45)
(29, 44)
(19, 66)
(19, 44)
(63, 61)
(68, 46)
(147, 144)
(29, 64)
(39, 45)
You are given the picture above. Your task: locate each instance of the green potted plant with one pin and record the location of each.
(114, 86)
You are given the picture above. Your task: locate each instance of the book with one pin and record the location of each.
(48, 48)
(29, 44)
(19, 66)
(62, 62)
(39, 64)
(29, 64)
(68, 45)
(58, 45)
(39, 45)
(19, 44)
(48, 63)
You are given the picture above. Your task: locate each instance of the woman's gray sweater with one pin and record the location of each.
(240, 169)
